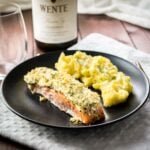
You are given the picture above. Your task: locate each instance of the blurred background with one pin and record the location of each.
(133, 11)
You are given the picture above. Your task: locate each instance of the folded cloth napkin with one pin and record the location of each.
(134, 131)
(133, 11)
(24, 4)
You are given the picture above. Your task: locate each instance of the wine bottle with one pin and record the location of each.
(54, 23)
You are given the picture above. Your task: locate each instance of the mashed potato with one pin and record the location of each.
(99, 73)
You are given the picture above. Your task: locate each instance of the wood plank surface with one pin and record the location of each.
(103, 25)
(7, 144)
(140, 37)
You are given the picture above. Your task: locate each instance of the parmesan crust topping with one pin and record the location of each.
(75, 91)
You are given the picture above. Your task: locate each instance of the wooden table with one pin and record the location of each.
(126, 33)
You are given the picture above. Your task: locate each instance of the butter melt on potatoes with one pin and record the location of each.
(99, 73)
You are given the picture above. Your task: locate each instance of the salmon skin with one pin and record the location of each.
(66, 93)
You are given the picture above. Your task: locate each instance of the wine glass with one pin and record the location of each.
(13, 38)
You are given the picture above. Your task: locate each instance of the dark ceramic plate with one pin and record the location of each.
(19, 100)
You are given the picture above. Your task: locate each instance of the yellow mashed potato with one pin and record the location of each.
(99, 73)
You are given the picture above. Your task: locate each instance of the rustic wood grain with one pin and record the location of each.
(103, 25)
(7, 144)
(140, 37)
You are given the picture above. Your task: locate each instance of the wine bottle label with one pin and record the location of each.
(54, 21)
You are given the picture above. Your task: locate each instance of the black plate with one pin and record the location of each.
(20, 101)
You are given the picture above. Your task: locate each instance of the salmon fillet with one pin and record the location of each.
(66, 93)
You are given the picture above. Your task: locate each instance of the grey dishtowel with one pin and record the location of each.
(132, 133)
